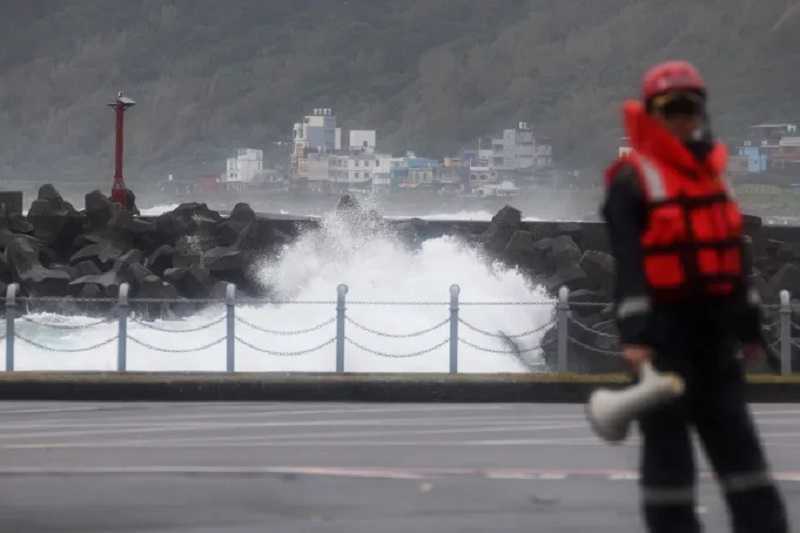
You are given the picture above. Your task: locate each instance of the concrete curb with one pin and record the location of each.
(529, 388)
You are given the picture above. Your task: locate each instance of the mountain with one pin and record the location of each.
(430, 75)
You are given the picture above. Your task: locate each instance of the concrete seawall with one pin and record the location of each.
(463, 388)
(592, 234)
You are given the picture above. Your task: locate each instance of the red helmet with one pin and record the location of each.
(672, 76)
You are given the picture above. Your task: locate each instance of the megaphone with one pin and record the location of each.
(611, 412)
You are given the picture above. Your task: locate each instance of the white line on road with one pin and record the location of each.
(220, 426)
(120, 420)
(531, 474)
(577, 441)
(522, 428)
(42, 410)
(326, 436)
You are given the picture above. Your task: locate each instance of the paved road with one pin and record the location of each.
(347, 468)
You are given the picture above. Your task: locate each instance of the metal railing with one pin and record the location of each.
(570, 332)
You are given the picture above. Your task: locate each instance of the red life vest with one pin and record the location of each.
(692, 241)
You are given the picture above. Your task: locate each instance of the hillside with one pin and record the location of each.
(431, 75)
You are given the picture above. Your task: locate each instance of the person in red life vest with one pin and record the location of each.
(683, 301)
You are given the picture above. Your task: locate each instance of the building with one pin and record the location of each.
(768, 149)
(738, 165)
(454, 175)
(314, 167)
(786, 156)
(326, 159)
(362, 141)
(753, 160)
(321, 160)
(360, 169)
(414, 172)
(514, 150)
(543, 154)
(519, 150)
(771, 134)
(242, 169)
(382, 175)
(318, 132)
(481, 176)
(516, 156)
(346, 171)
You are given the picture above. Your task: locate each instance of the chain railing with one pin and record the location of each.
(554, 340)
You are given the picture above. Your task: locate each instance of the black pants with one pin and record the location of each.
(714, 405)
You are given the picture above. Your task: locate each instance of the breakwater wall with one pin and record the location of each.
(589, 235)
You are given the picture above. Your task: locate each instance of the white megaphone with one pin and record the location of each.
(611, 412)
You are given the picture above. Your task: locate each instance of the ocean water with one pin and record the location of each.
(374, 265)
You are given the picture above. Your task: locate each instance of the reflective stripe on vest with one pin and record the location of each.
(654, 181)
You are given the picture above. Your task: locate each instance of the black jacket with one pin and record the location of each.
(625, 212)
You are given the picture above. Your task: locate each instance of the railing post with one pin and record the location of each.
(341, 309)
(562, 313)
(11, 315)
(786, 332)
(230, 331)
(122, 338)
(455, 290)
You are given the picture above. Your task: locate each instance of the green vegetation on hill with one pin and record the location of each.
(431, 75)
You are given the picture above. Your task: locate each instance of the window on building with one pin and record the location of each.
(377, 163)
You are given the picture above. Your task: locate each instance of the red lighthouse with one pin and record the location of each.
(118, 189)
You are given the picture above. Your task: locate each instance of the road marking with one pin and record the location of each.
(523, 474)
(150, 412)
(218, 426)
(588, 441)
(624, 476)
(155, 422)
(43, 410)
(139, 418)
(553, 476)
(327, 436)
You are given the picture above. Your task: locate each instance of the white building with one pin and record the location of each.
(363, 141)
(244, 167)
(481, 175)
(543, 157)
(514, 150)
(315, 167)
(518, 150)
(346, 170)
(320, 156)
(364, 168)
(504, 189)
